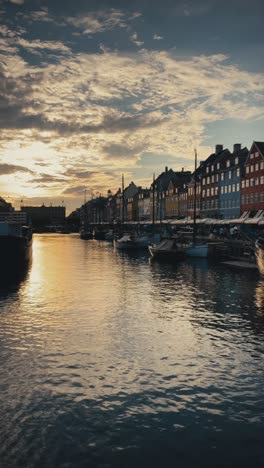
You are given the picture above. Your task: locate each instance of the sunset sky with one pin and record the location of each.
(91, 89)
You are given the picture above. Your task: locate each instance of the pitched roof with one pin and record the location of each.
(260, 145)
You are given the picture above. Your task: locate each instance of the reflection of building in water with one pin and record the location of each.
(260, 295)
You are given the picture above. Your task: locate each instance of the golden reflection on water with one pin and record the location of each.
(96, 321)
(260, 296)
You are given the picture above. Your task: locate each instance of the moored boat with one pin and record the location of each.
(168, 249)
(15, 243)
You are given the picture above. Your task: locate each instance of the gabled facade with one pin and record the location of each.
(176, 181)
(144, 205)
(210, 180)
(252, 184)
(172, 201)
(230, 181)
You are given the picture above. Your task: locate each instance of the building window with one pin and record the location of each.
(247, 169)
(208, 180)
(238, 172)
(252, 168)
(243, 184)
(212, 179)
(217, 178)
(228, 163)
(262, 180)
(208, 193)
(230, 175)
(212, 192)
(252, 156)
(222, 189)
(233, 187)
(257, 167)
(236, 161)
(207, 169)
(257, 181)
(238, 187)
(252, 182)
(229, 188)
(225, 188)
(218, 166)
(222, 176)
(247, 182)
(262, 165)
(216, 190)
(257, 154)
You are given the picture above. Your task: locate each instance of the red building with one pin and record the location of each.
(252, 184)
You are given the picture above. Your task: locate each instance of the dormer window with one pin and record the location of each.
(228, 163)
(236, 161)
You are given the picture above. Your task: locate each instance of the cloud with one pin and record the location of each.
(78, 190)
(80, 174)
(156, 37)
(92, 110)
(12, 169)
(17, 2)
(47, 178)
(98, 22)
(134, 39)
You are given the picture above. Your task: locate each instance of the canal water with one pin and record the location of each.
(110, 360)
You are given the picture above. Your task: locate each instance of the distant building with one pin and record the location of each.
(5, 206)
(45, 215)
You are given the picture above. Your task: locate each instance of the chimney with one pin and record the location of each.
(166, 169)
(237, 147)
(218, 149)
(182, 169)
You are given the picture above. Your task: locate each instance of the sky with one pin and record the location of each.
(93, 89)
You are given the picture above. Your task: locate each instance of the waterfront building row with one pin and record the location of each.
(227, 183)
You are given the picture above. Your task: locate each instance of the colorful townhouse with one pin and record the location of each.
(252, 183)
(210, 182)
(231, 170)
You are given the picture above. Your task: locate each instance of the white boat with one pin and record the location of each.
(133, 242)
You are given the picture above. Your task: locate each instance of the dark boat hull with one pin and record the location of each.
(167, 255)
(14, 251)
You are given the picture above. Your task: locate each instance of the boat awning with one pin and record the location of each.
(256, 219)
(239, 220)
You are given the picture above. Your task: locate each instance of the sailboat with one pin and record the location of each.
(195, 249)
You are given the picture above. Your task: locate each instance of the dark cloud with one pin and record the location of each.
(121, 151)
(12, 169)
(75, 190)
(80, 174)
(47, 178)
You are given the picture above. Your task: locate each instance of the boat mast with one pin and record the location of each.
(153, 200)
(194, 207)
(123, 200)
